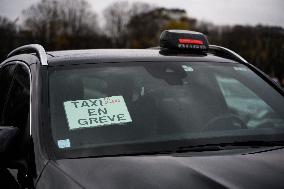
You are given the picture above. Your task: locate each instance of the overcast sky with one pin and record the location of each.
(221, 12)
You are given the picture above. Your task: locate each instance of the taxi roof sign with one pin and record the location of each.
(184, 40)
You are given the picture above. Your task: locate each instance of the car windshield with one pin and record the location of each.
(93, 107)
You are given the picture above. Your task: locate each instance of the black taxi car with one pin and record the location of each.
(186, 114)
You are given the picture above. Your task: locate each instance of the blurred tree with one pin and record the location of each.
(117, 16)
(260, 45)
(59, 24)
(7, 36)
(144, 29)
(71, 24)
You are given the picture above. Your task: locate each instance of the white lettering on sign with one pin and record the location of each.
(96, 112)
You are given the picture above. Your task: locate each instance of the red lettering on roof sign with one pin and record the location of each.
(191, 41)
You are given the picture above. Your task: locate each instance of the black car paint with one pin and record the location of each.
(256, 170)
(160, 171)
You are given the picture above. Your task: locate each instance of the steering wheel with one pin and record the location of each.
(225, 122)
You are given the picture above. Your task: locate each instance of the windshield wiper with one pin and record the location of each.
(255, 143)
(230, 145)
(199, 148)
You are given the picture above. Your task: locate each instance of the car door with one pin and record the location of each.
(15, 110)
(6, 81)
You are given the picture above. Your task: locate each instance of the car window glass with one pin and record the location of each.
(101, 87)
(6, 78)
(116, 103)
(17, 109)
(243, 101)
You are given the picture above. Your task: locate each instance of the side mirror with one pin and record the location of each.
(8, 141)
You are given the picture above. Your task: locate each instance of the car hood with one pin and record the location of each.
(256, 170)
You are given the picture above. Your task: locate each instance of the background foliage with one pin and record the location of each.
(72, 24)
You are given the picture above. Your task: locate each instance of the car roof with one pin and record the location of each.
(125, 55)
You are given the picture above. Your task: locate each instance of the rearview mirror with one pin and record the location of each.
(8, 141)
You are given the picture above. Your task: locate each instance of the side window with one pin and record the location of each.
(6, 80)
(16, 112)
(243, 101)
